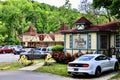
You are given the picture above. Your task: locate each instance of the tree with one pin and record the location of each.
(94, 13)
(112, 6)
(12, 18)
(15, 18)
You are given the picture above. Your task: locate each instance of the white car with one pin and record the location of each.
(92, 64)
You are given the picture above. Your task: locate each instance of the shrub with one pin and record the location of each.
(57, 48)
(89, 52)
(76, 55)
(61, 57)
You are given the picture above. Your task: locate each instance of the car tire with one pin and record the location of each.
(4, 52)
(116, 66)
(73, 75)
(98, 72)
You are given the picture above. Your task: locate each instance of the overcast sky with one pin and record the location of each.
(59, 3)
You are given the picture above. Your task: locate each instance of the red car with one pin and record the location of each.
(0, 49)
(6, 49)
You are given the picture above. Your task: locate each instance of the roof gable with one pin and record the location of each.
(83, 20)
(48, 38)
(62, 28)
(41, 36)
(52, 36)
(30, 31)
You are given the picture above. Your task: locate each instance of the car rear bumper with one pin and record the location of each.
(78, 71)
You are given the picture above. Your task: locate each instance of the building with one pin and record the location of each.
(86, 37)
(32, 39)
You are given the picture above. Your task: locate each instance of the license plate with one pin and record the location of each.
(75, 69)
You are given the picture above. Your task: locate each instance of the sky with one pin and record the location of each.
(58, 3)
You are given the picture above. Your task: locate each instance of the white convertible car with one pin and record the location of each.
(92, 64)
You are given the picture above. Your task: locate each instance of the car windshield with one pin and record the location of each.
(85, 58)
(34, 52)
(19, 47)
(44, 49)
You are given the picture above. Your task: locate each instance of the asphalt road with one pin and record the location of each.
(9, 57)
(27, 75)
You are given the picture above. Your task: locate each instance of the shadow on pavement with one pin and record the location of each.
(92, 76)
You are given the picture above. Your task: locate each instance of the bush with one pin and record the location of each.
(61, 57)
(57, 48)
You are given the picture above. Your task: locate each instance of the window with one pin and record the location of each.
(71, 41)
(101, 58)
(80, 26)
(117, 41)
(89, 41)
(85, 58)
(103, 42)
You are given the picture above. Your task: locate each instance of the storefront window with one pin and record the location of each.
(80, 41)
(117, 40)
(103, 41)
(89, 41)
(71, 41)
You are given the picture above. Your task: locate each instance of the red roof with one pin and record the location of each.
(106, 26)
(52, 36)
(111, 26)
(62, 28)
(30, 31)
(83, 20)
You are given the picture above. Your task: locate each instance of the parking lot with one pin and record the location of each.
(8, 57)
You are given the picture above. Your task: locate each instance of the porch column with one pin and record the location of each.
(109, 51)
(97, 43)
(64, 43)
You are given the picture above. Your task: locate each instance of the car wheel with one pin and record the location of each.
(116, 66)
(4, 52)
(98, 72)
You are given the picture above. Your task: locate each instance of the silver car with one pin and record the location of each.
(33, 54)
(92, 64)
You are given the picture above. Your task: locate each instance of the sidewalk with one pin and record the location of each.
(32, 67)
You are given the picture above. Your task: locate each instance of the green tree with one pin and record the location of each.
(15, 18)
(112, 6)
(12, 18)
(96, 15)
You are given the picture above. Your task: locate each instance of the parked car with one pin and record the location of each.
(92, 64)
(6, 49)
(18, 49)
(44, 50)
(33, 54)
(0, 49)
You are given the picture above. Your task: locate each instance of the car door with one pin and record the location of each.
(108, 63)
(37, 54)
(104, 62)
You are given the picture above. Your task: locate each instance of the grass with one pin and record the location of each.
(116, 77)
(10, 66)
(17, 65)
(55, 68)
(61, 69)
